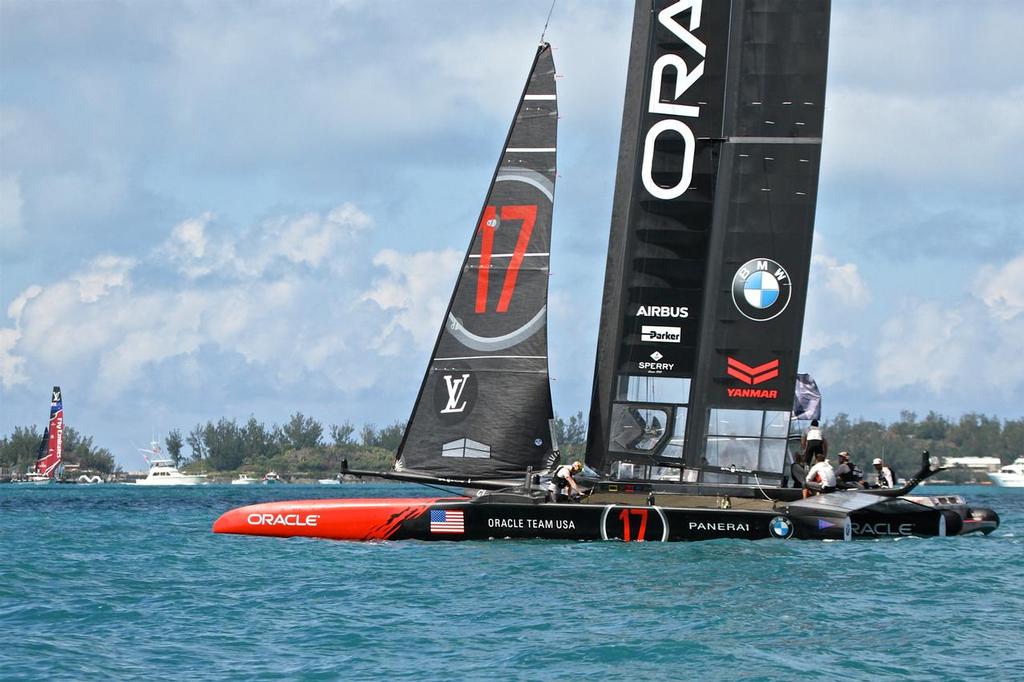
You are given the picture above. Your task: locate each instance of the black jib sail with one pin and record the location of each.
(485, 402)
(710, 241)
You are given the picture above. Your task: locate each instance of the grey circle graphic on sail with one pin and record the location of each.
(761, 289)
(455, 392)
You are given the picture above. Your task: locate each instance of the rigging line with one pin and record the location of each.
(547, 21)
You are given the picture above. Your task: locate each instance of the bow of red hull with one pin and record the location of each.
(364, 519)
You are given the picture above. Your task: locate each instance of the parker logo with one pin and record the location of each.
(651, 334)
(752, 376)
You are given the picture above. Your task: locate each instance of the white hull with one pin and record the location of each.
(244, 480)
(173, 481)
(1008, 480)
(1011, 475)
(329, 481)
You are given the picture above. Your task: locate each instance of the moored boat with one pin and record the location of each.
(243, 479)
(1010, 476)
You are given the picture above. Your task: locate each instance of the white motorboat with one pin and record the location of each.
(329, 481)
(37, 478)
(1011, 475)
(271, 477)
(163, 472)
(243, 479)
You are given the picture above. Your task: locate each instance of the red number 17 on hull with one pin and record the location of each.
(488, 224)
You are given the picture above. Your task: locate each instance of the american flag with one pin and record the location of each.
(446, 521)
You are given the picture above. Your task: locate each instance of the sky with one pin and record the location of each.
(225, 209)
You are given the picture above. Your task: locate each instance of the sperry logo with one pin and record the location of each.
(455, 387)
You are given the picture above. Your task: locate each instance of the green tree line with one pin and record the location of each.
(302, 444)
(18, 451)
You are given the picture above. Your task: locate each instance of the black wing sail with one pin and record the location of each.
(711, 236)
(485, 402)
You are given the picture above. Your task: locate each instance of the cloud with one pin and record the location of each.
(309, 239)
(415, 289)
(1002, 289)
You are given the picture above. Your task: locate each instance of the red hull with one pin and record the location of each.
(365, 519)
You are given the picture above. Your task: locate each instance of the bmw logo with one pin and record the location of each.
(761, 289)
(780, 527)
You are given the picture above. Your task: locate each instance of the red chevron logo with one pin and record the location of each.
(752, 375)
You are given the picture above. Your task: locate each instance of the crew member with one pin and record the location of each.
(848, 474)
(885, 475)
(813, 441)
(821, 475)
(562, 479)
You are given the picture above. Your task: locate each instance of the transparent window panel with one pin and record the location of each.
(675, 390)
(773, 455)
(733, 452)
(674, 448)
(637, 429)
(665, 474)
(776, 424)
(735, 422)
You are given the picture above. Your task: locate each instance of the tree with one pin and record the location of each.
(196, 442)
(174, 443)
(302, 432)
(19, 450)
(225, 449)
(258, 442)
(342, 435)
(368, 434)
(390, 437)
(571, 435)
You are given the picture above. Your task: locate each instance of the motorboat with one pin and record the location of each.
(243, 479)
(162, 472)
(1010, 476)
(329, 481)
(272, 477)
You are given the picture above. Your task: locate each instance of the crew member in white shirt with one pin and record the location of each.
(822, 475)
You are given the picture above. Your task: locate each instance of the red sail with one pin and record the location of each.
(47, 464)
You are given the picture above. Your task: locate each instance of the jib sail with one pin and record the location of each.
(485, 402)
(51, 449)
(710, 240)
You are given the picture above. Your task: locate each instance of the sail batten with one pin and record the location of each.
(487, 381)
(712, 224)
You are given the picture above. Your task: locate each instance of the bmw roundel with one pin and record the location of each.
(761, 289)
(780, 527)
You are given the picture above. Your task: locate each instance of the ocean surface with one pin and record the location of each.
(120, 582)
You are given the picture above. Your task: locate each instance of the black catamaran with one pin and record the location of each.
(701, 320)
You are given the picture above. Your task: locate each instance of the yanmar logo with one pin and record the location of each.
(752, 376)
(283, 519)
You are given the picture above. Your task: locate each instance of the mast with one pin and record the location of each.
(485, 401)
(710, 242)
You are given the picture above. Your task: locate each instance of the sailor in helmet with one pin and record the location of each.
(562, 479)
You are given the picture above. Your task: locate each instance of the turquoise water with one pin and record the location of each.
(117, 582)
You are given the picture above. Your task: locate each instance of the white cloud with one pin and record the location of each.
(414, 290)
(1002, 289)
(308, 239)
